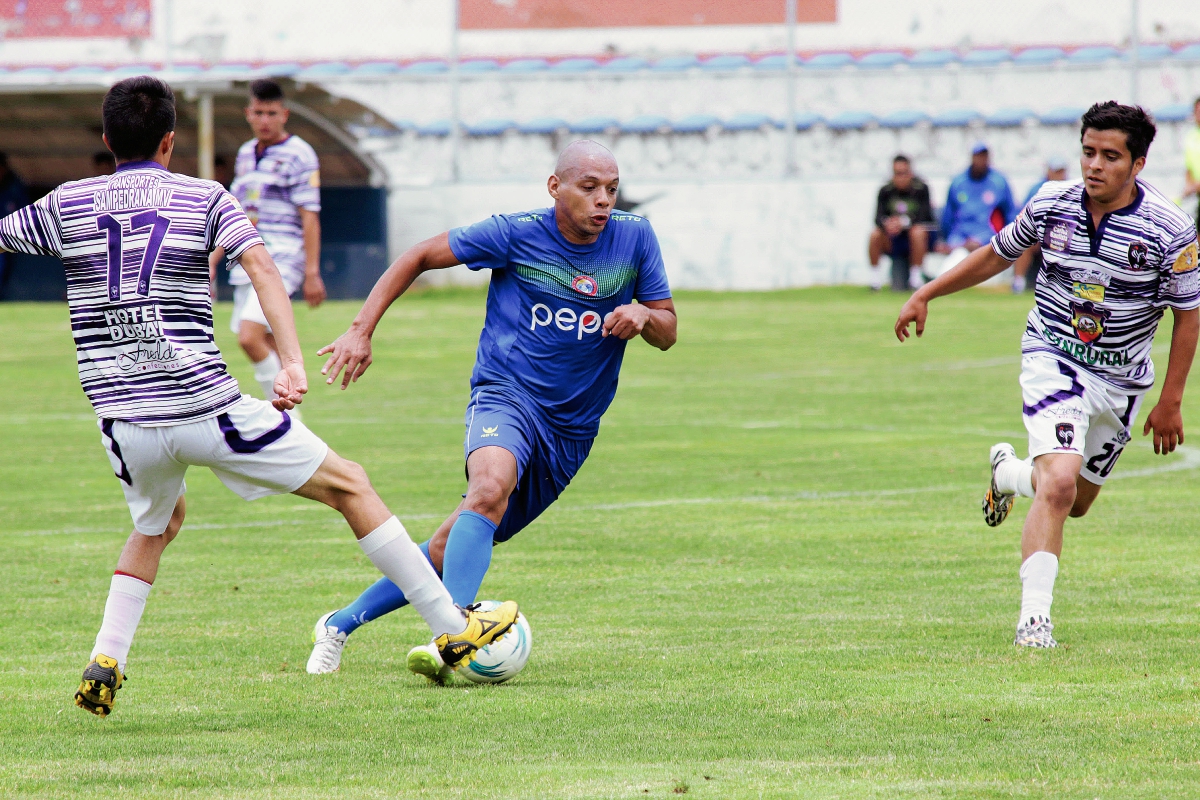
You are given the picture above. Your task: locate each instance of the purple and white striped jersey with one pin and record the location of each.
(135, 246)
(1104, 289)
(273, 186)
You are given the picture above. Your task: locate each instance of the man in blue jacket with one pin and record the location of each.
(978, 205)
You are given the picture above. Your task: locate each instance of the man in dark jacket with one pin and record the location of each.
(903, 218)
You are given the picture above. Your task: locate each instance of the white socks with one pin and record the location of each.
(265, 372)
(1014, 476)
(1037, 586)
(875, 281)
(122, 613)
(915, 279)
(394, 554)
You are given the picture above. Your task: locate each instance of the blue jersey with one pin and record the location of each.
(977, 209)
(541, 341)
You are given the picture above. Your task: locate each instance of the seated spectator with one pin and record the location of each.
(903, 217)
(1026, 268)
(978, 205)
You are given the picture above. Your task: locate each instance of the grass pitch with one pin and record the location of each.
(771, 579)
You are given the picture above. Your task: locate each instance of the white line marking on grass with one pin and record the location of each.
(1191, 460)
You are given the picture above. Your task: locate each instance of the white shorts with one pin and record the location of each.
(252, 448)
(246, 308)
(1067, 410)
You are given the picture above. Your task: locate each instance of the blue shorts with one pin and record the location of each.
(546, 461)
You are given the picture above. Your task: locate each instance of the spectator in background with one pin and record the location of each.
(12, 197)
(103, 164)
(1027, 267)
(903, 217)
(978, 205)
(1191, 160)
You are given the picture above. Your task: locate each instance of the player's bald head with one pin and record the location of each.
(584, 156)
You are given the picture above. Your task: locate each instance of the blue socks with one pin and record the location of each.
(468, 556)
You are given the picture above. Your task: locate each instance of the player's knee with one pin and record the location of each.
(487, 496)
(1057, 489)
(176, 522)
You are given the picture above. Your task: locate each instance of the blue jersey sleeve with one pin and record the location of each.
(652, 273)
(483, 245)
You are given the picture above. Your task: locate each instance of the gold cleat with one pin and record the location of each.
(483, 628)
(98, 691)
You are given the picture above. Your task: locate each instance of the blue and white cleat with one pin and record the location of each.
(996, 504)
(426, 660)
(1035, 633)
(328, 642)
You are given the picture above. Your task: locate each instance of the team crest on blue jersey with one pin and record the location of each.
(585, 284)
(1088, 321)
(1138, 254)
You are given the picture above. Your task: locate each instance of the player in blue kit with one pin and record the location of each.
(561, 305)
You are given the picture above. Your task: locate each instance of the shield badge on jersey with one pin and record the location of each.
(585, 284)
(1065, 432)
(1088, 320)
(1138, 253)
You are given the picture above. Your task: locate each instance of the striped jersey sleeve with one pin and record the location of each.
(228, 227)
(1180, 282)
(33, 229)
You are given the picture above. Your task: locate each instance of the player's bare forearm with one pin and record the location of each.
(314, 287)
(273, 298)
(1166, 418)
(653, 320)
(214, 258)
(973, 270)
(352, 350)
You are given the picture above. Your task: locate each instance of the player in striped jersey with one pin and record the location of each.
(1117, 254)
(135, 245)
(278, 182)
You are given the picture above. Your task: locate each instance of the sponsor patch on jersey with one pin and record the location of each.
(585, 284)
(1187, 259)
(1138, 255)
(1088, 321)
(1065, 433)
(1058, 235)
(1088, 291)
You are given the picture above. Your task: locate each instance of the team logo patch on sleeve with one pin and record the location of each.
(1187, 259)
(585, 284)
(1065, 431)
(1138, 253)
(1088, 321)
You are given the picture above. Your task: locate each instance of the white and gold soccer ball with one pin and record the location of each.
(501, 660)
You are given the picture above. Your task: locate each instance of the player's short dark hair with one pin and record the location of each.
(901, 158)
(266, 90)
(1133, 121)
(138, 113)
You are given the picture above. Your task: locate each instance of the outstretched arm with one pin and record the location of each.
(1166, 419)
(352, 350)
(291, 383)
(653, 320)
(973, 270)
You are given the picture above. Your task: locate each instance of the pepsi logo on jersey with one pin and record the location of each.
(564, 319)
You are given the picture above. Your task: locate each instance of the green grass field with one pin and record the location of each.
(771, 579)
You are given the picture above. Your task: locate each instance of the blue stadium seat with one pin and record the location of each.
(237, 69)
(932, 58)
(284, 70)
(1094, 55)
(1154, 52)
(439, 128)
(1040, 56)
(404, 124)
(188, 69)
(1009, 117)
(526, 65)
(627, 64)
(850, 121)
(326, 69)
(1189, 53)
(544, 125)
(695, 123)
(881, 60)
(772, 62)
(129, 70)
(595, 125)
(806, 119)
(954, 118)
(905, 118)
(829, 61)
(34, 72)
(1062, 116)
(675, 64)
(747, 121)
(645, 123)
(426, 68)
(377, 68)
(575, 65)
(489, 127)
(85, 70)
(725, 62)
(986, 57)
(478, 65)
(1175, 112)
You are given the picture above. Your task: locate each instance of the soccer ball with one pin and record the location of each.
(504, 658)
